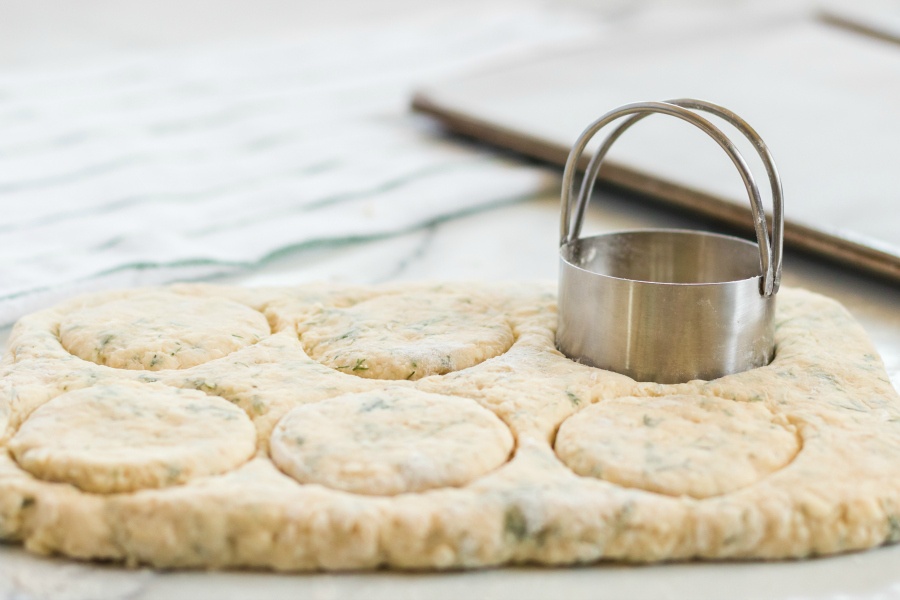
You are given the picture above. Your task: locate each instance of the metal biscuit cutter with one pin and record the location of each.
(669, 305)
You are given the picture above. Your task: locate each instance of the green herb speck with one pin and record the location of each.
(893, 528)
(173, 472)
(515, 524)
(376, 404)
(258, 406)
(650, 421)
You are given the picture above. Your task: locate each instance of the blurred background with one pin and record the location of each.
(145, 142)
(51, 31)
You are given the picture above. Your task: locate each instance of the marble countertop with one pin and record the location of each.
(511, 240)
(514, 242)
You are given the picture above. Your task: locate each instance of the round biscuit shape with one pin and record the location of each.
(680, 445)
(408, 336)
(127, 436)
(390, 442)
(161, 330)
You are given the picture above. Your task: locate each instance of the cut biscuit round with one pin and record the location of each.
(408, 336)
(699, 446)
(161, 330)
(390, 442)
(126, 436)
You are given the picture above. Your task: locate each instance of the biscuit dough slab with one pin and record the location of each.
(825, 478)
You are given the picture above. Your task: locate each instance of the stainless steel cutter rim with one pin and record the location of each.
(693, 232)
(770, 250)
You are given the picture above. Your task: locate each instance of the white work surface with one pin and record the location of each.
(511, 239)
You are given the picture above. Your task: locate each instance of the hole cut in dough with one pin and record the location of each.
(161, 330)
(408, 336)
(127, 436)
(699, 446)
(390, 442)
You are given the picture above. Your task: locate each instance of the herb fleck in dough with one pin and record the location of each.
(124, 437)
(390, 442)
(176, 468)
(408, 336)
(698, 446)
(161, 330)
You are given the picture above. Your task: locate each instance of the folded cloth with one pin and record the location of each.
(165, 167)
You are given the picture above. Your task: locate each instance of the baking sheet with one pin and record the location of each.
(824, 97)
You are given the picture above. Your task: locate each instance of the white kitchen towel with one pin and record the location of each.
(176, 166)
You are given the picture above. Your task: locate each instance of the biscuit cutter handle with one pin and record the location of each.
(571, 220)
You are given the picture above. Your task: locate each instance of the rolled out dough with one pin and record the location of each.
(262, 451)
